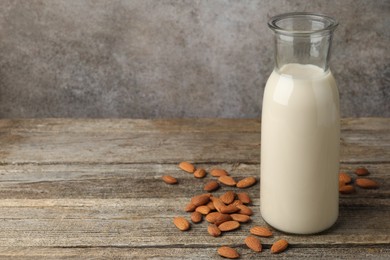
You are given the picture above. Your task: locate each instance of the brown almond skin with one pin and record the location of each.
(196, 217)
(237, 202)
(218, 172)
(222, 219)
(244, 210)
(240, 217)
(366, 183)
(260, 231)
(190, 207)
(200, 173)
(228, 197)
(253, 243)
(181, 223)
(230, 209)
(361, 171)
(246, 183)
(244, 197)
(227, 180)
(346, 189)
(200, 200)
(211, 186)
(228, 252)
(211, 206)
(218, 204)
(213, 230)
(169, 179)
(229, 225)
(279, 246)
(344, 177)
(204, 210)
(212, 216)
(186, 166)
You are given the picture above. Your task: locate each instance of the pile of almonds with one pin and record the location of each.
(346, 183)
(224, 213)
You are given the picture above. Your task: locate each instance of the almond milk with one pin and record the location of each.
(300, 149)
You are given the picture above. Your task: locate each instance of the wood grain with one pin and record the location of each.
(93, 189)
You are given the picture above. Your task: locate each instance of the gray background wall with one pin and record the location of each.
(161, 58)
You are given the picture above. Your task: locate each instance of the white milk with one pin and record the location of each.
(300, 150)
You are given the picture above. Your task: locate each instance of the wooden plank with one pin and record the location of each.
(65, 141)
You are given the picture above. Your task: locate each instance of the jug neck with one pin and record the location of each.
(302, 38)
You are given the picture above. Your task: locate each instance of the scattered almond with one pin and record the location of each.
(245, 210)
(228, 252)
(366, 183)
(204, 210)
(211, 186)
(169, 179)
(222, 219)
(237, 202)
(244, 197)
(212, 216)
(228, 197)
(196, 217)
(240, 217)
(227, 180)
(229, 225)
(181, 223)
(186, 166)
(200, 173)
(218, 204)
(211, 206)
(213, 230)
(200, 200)
(362, 171)
(344, 177)
(247, 182)
(346, 189)
(218, 172)
(279, 246)
(190, 207)
(229, 209)
(253, 243)
(260, 231)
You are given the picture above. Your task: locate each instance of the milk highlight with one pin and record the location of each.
(300, 149)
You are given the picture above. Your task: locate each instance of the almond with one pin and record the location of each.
(211, 186)
(279, 246)
(200, 173)
(366, 183)
(245, 210)
(211, 205)
(181, 223)
(230, 209)
(361, 171)
(244, 197)
(222, 219)
(344, 177)
(190, 207)
(228, 252)
(346, 189)
(247, 182)
(228, 197)
(227, 180)
(200, 200)
(186, 166)
(237, 202)
(218, 204)
(240, 217)
(204, 210)
(169, 179)
(260, 231)
(213, 230)
(253, 243)
(196, 217)
(218, 172)
(229, 225)
(212, 216)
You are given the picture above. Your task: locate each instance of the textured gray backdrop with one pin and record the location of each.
(165, 58)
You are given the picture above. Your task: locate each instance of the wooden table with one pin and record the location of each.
(92, 189)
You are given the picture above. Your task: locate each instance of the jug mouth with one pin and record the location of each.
(302, 24)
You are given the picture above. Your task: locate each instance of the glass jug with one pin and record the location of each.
(300, 127)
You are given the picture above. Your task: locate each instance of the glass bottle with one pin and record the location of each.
(300, 131)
